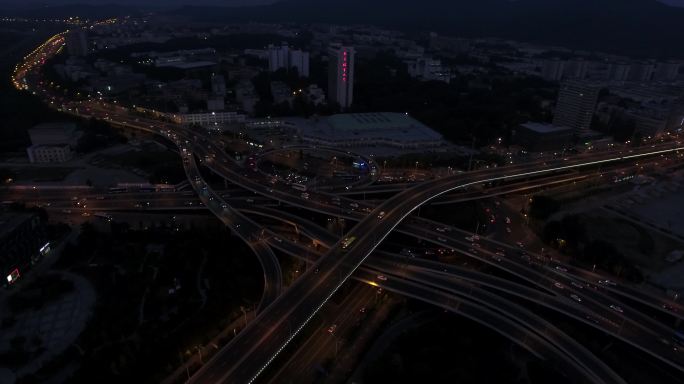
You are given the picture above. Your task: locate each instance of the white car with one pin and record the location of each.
(576, 298)
(382, 277)
(381, 215)
(616, 308)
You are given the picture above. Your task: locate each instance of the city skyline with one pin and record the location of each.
(267, 195)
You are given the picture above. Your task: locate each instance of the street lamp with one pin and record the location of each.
(199, 351)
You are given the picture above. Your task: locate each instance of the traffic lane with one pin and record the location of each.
(561, 305)
(300, 367)
(545, 329)
(547, 278)
(522, 336)
(645, 297)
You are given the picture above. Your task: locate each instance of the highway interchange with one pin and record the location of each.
(283, 313)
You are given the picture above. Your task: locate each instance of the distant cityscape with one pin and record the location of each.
(243, 202)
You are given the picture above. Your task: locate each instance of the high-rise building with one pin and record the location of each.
(278, 57)
(575, 69)
(218, 85)
(667, 71)
(77, 42)
(284, 57)
(341, 75)
(618, 71)
(575, 106)
(552, 69)
(299, 59)
(641, 71)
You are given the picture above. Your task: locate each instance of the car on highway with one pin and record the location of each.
(348, 241)
(577, 285)
(305, 196)
(562, 269)
(607, 282)
(520, 244)
(576, 298)
(381, 215)
(616, 308)
(441, 229)
(508, 230)
(508, 220)
(443, 240)
(382, 277)
(354, 205)
(558, 285)
(332, 329)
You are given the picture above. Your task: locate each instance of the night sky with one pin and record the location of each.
(180, 2)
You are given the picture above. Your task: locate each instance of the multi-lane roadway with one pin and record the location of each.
(280, 321)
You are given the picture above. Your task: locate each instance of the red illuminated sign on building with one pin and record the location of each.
(344, 66)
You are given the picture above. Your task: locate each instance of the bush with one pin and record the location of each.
(543, 206)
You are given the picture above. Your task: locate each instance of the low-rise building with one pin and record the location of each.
(23, 242)
(389, 129)
(428, 69)
(246, 96)
(281, 93)
(314, 94)
(212, 119)
(536, 137)
(52, 143)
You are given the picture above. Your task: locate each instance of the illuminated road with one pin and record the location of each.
(254, 348)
